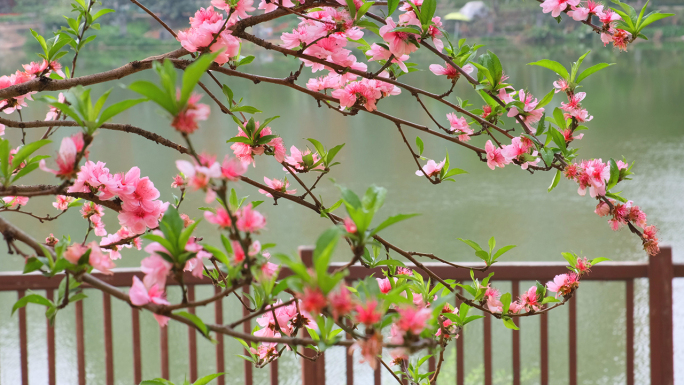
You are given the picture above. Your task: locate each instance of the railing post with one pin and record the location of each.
(660, 274)
(313, 372)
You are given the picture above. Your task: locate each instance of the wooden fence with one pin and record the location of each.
(659, 271)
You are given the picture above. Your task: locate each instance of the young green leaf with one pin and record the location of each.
(553, 66)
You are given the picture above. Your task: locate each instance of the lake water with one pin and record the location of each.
(637, 113)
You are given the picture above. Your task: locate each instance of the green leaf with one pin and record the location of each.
(491, 243)
(506, 302)
(508, 322)
(553, 66)
(547, 99)
(31, 298)
(352, 8)
(408, 29)
(246, 109)
(392, 6)
(392, 220)
(653, 18)
(206, 379)
(325, 246)
(195, 320)
(591, 70)
(154, 93)
(32, 264)
(25, 151)
(116, 109)
(193, 73)
(571, 258)
(470, 243)
(421, 146)
(454, 171)
(240, 139)
(556, 179)
(614, 174)
(157, 381)
(483, 255)
(501, 251)
(229, 94)
(427, 11)
(245, 60)
(363, 9)
(101, 13)
(599, 260)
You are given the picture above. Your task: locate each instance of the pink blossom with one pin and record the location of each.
(178, 181)
(207, 15)
(186, 120)
(54, 112)
(563, 284)
(272, 5)
(461, 126)
(90, 177)
(608, 16)
(530, 113)
(313, 300)
(249, 220)
(66, 158)
(74, 252)
(560, 85)
(368, 313)
(412, 319)
(279, 185)
(195, 265)
(384, 284)
(240, 9)
(155, 267)
(530, 300)
(399, 43)
(220, 218)
(140, 295)
(450, 72)
(583, 265)
(557, 6)
(138, 218)
(11, 201)
(377, 52)
(494, 156)
(296, 159)
(341, 302)
(432, 168)
(97, 259)
(350, 226)
(51, 240)
(370, 349)
(519, 147)
(198, 176)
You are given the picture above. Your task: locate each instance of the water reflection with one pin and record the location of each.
(637, 114)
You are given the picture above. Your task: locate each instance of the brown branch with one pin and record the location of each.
(107, 126)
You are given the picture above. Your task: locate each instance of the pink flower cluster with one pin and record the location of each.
(280, 185)
(246, 152)
(365, 92)
(573, 109)
(459, 126)
(207, 26)
(592, 174)
(123, 234)
(521, 151)
(31, 71)
(96, 259)
(198, 175)
(530, 113)
(94, 213)
(12, 201)
(563, 284)
(186, 120)
(141, 295)
(140, 209)
(432, 168)
(70, 147)
(449, 71)
(288, 319)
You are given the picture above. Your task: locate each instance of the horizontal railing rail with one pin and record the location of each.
(659, 270)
